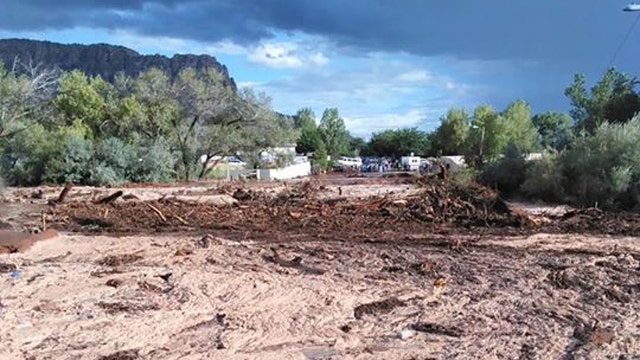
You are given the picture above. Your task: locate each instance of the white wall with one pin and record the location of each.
(289, 172)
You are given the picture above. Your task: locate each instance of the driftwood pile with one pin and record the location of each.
(296, 208)
(440, 205)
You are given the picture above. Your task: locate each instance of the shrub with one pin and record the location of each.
(26, 155)
(464, 176)
(507, 173)
(72, 159)
(544, 179)
(114, 162)
(603, 169)
(155, 163)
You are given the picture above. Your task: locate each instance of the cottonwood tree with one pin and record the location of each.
(152, 89)
(310, 139)
(22, 97)
(77, 99)
(399, 142)
(520, 132)
(486, 138)
(248, 125)
(554, 129)
(305, 118)
(262, 128)
(612, 99)
(202, 101)
(333, 132)
(450, 137)
(491, 133)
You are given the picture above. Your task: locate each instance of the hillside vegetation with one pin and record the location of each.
(58, 127)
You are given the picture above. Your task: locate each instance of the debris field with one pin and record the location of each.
(430, 270)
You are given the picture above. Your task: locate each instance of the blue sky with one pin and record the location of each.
(384, 64)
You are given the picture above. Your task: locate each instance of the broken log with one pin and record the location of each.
(110, 198)
(63, 194)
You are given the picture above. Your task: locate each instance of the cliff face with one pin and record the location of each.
(102, 59)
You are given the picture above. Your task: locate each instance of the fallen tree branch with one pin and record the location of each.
(157, 212)
(110, 198)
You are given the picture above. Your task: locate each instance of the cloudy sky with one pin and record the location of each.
(383, 63)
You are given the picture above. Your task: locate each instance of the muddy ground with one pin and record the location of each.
(333, 269)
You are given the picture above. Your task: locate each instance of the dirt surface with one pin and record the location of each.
(383, 269)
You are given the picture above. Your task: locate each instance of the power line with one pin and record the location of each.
(624, 41)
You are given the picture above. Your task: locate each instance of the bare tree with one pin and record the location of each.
(23, 93)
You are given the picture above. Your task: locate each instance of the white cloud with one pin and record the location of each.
(414, 76)
(319, 59)
(364, 125)
(226, 47)
(169, 45)
(251, 84)
(286, 55)
(280, 55)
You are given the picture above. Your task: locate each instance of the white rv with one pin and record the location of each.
(410, 163)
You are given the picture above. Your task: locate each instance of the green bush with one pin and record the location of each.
(114, 160)
(155, 163)
(25, 156)
(464, 176)
(544, 179)
(507, 173)
(603, 169)
(71, 158)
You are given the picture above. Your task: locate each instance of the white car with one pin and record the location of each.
(354, 162)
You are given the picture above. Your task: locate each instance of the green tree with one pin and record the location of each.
(305, 118)
(357, 146)
(334, 132)
(309, 141)
(320, 157)
(450, 137)
(492, 132)
(399, 142)
(152, 90)
(310, 138)
(78, 99)
(486, 138)
(612, 99)
(554, 129)
(520, 131)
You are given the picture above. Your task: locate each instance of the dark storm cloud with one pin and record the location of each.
(544, 29)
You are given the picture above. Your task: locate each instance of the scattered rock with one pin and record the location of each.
(117, 260)
(122, 355)
(183, 252)
(406, 334)
(378, 307)
(165, 277)
(204, 242)
(346, 328)
(6, 268)
(114, 283)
